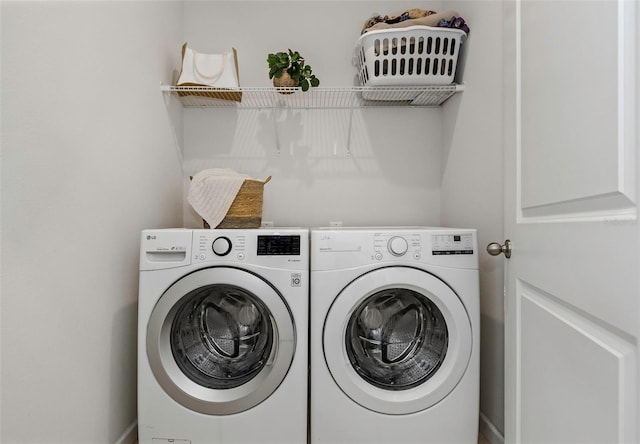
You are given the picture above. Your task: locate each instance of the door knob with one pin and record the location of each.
(494, 248)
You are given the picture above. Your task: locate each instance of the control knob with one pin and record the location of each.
(221, 246)
(397, 246)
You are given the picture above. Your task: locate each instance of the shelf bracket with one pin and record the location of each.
(349, 132)
(275, 126)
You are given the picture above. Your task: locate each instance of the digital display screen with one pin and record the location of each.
(451, 244)
(275, 245)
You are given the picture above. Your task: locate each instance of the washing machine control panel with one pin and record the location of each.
(163, 249)
(267, 247)
(211, 246)
(278, 245)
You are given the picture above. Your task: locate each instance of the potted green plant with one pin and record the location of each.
(289, 69)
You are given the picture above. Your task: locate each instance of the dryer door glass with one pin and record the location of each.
(396, 339)
(221, 336)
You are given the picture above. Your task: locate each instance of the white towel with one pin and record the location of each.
(212, 191)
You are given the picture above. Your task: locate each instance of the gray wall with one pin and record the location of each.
(472, 187)
(88, 160)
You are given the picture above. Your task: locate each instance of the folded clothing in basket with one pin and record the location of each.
(212, 192)
(456, 23)
(431, 19)
(406, 15)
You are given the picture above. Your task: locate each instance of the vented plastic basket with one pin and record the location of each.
(411, 56)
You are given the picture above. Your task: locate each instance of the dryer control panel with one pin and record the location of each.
(397, 245)
(335, 248)
(447, 244)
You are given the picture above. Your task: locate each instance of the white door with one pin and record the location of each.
(572, 310)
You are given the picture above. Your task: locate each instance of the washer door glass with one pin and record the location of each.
(220, 340)
(221, 336)
(396, 339)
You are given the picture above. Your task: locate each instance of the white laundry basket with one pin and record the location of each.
(411, 56)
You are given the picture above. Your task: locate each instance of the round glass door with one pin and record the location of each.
(397, 340)
(221, 336)
(220, 340)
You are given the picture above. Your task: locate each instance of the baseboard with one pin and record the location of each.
(130, 435)
(490, 431)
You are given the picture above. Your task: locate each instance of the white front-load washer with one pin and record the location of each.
(222, 336)
(394, 336)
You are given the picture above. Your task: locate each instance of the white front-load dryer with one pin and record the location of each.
(222, 336)
(394, 336)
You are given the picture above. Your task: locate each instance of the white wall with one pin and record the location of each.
(88, 160)
(389, 173)
(405, 166)
(472, 186)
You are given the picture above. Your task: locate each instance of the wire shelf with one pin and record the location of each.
(315, 98)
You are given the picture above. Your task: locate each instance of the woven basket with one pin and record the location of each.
(246, 208)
